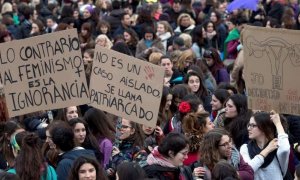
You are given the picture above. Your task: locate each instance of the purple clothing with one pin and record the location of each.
(232, 49)
(222, 76)
(245, 171)
(106, 147)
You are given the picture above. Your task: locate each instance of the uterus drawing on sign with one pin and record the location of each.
(278, 51)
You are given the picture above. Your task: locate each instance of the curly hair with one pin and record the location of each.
(194, 125)
(209, 148)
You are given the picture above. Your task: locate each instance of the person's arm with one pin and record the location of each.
(106, 148)
(256, 162)
(283, 151)
(231, 46)
(238, 65)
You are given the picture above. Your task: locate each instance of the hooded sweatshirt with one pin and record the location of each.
(67, 159)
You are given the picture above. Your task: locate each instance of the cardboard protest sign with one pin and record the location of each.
(272, 66)
(126, 86)
(43, 72)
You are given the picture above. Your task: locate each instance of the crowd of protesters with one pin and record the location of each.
(204, 129)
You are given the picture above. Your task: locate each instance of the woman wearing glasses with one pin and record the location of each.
(130, 148)
(268, 151)
(217, 146)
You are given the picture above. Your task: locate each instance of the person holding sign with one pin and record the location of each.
(268, 151)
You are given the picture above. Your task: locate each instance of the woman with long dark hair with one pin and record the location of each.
(215, 65)
(237, 116)
(131, 39)
(268, 150)
(30, 163)
(196, 83)
(103, 130)
(216, 18)
(84, 138)
(218, 100)
(211, 35)
(86, 37)
(8, 129)
(198, 41)
(87, 168)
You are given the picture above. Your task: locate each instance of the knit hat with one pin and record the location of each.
(90, 9)
(6, 7)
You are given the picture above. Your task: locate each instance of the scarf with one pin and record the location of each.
(235, 158)
(156, 158)
(148, 43)
(253, 150)
(182, 28)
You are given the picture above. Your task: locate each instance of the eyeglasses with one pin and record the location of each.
(251, 126)
(125, 127)
(226, 144)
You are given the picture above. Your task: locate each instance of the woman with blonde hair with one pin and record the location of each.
(185, 24)
(104, 41)
(187, 39)
(186, 59)
(155, 57)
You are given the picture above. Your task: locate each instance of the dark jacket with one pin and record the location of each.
(67, 159)
(177, 78)
(168, 173)
(222, 76)
(222, 34)
(23, 30)
(119, 31)
(114, 18)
